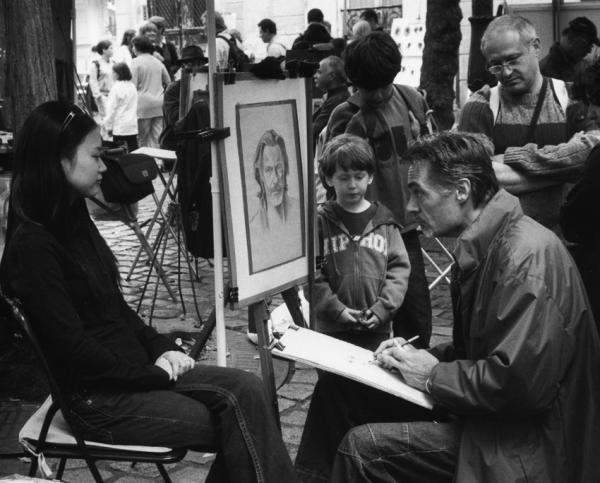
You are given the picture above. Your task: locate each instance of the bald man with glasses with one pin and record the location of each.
(525, 116)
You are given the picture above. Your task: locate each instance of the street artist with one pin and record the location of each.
(520, 375)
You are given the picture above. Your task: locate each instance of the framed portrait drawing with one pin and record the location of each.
(264, 171)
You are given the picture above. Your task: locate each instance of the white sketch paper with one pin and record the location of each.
(348, 360)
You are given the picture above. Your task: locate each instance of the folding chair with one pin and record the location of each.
(49, 432)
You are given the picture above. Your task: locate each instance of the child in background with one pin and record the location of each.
(121, 113)
(361, 285)
(365, 271)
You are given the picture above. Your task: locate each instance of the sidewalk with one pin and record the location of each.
(168, 317)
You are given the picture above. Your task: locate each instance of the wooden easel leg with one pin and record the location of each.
(257, 315)
(291, 299)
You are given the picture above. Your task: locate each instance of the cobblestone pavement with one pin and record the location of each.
(169, 317)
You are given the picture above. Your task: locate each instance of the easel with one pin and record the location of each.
(259, 317)
(257, 311)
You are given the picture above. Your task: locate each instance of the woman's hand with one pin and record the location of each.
(178, 362)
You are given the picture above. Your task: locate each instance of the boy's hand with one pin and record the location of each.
(350, 316)
(369, 319)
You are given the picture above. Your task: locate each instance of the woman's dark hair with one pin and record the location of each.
(39, 191)
(373, 61)
(102, 46)
(128, 35)
(122, 71)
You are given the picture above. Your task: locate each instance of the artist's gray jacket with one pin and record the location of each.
(368, 272)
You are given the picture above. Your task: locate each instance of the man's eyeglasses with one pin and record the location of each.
(510, 64)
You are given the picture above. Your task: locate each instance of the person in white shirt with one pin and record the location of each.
(101, 77)
(123, 53)
(121, 113)
(268, 34)
(221, 42)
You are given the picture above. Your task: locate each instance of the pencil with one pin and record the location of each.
(409, 341)
(397, 344)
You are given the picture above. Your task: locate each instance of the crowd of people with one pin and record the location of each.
(516, 394)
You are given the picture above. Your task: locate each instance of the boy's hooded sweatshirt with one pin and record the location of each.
(367, 272)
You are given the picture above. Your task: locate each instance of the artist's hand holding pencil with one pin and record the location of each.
(415, 365)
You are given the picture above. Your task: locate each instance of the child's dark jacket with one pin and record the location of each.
(369, 272)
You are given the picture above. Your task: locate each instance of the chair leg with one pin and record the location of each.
(61, 468)
(33, 467)
(94, 470)
(163, 473)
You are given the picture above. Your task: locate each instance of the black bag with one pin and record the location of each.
(237, 58)
(128, 178)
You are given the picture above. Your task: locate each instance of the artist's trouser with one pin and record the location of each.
(398, 452)
(339, 404)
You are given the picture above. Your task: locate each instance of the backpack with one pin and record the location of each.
(237, 57)
(416, 103)
(193, 174)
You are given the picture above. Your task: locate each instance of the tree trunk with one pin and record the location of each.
(440, 57)
(31, 76)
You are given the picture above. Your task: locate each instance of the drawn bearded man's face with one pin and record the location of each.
(273, 175)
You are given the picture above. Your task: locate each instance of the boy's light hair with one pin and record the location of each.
(346, 152)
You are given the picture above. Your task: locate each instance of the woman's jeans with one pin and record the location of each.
(207, 408)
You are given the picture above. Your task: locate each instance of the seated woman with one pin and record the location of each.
(126, 383)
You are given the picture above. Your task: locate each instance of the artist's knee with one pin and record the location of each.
(358, 442)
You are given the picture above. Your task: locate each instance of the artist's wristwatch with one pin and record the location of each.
(428, 385)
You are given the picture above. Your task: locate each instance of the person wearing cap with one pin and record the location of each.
(192, 57)
(164, 47)
(566, 57)
(525, 116)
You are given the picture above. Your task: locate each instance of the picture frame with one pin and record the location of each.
(264, 171)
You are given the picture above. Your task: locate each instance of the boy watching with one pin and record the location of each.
(361, 284)
(365, 265)
(390, 117)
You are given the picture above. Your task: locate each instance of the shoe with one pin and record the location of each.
(253, 336)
